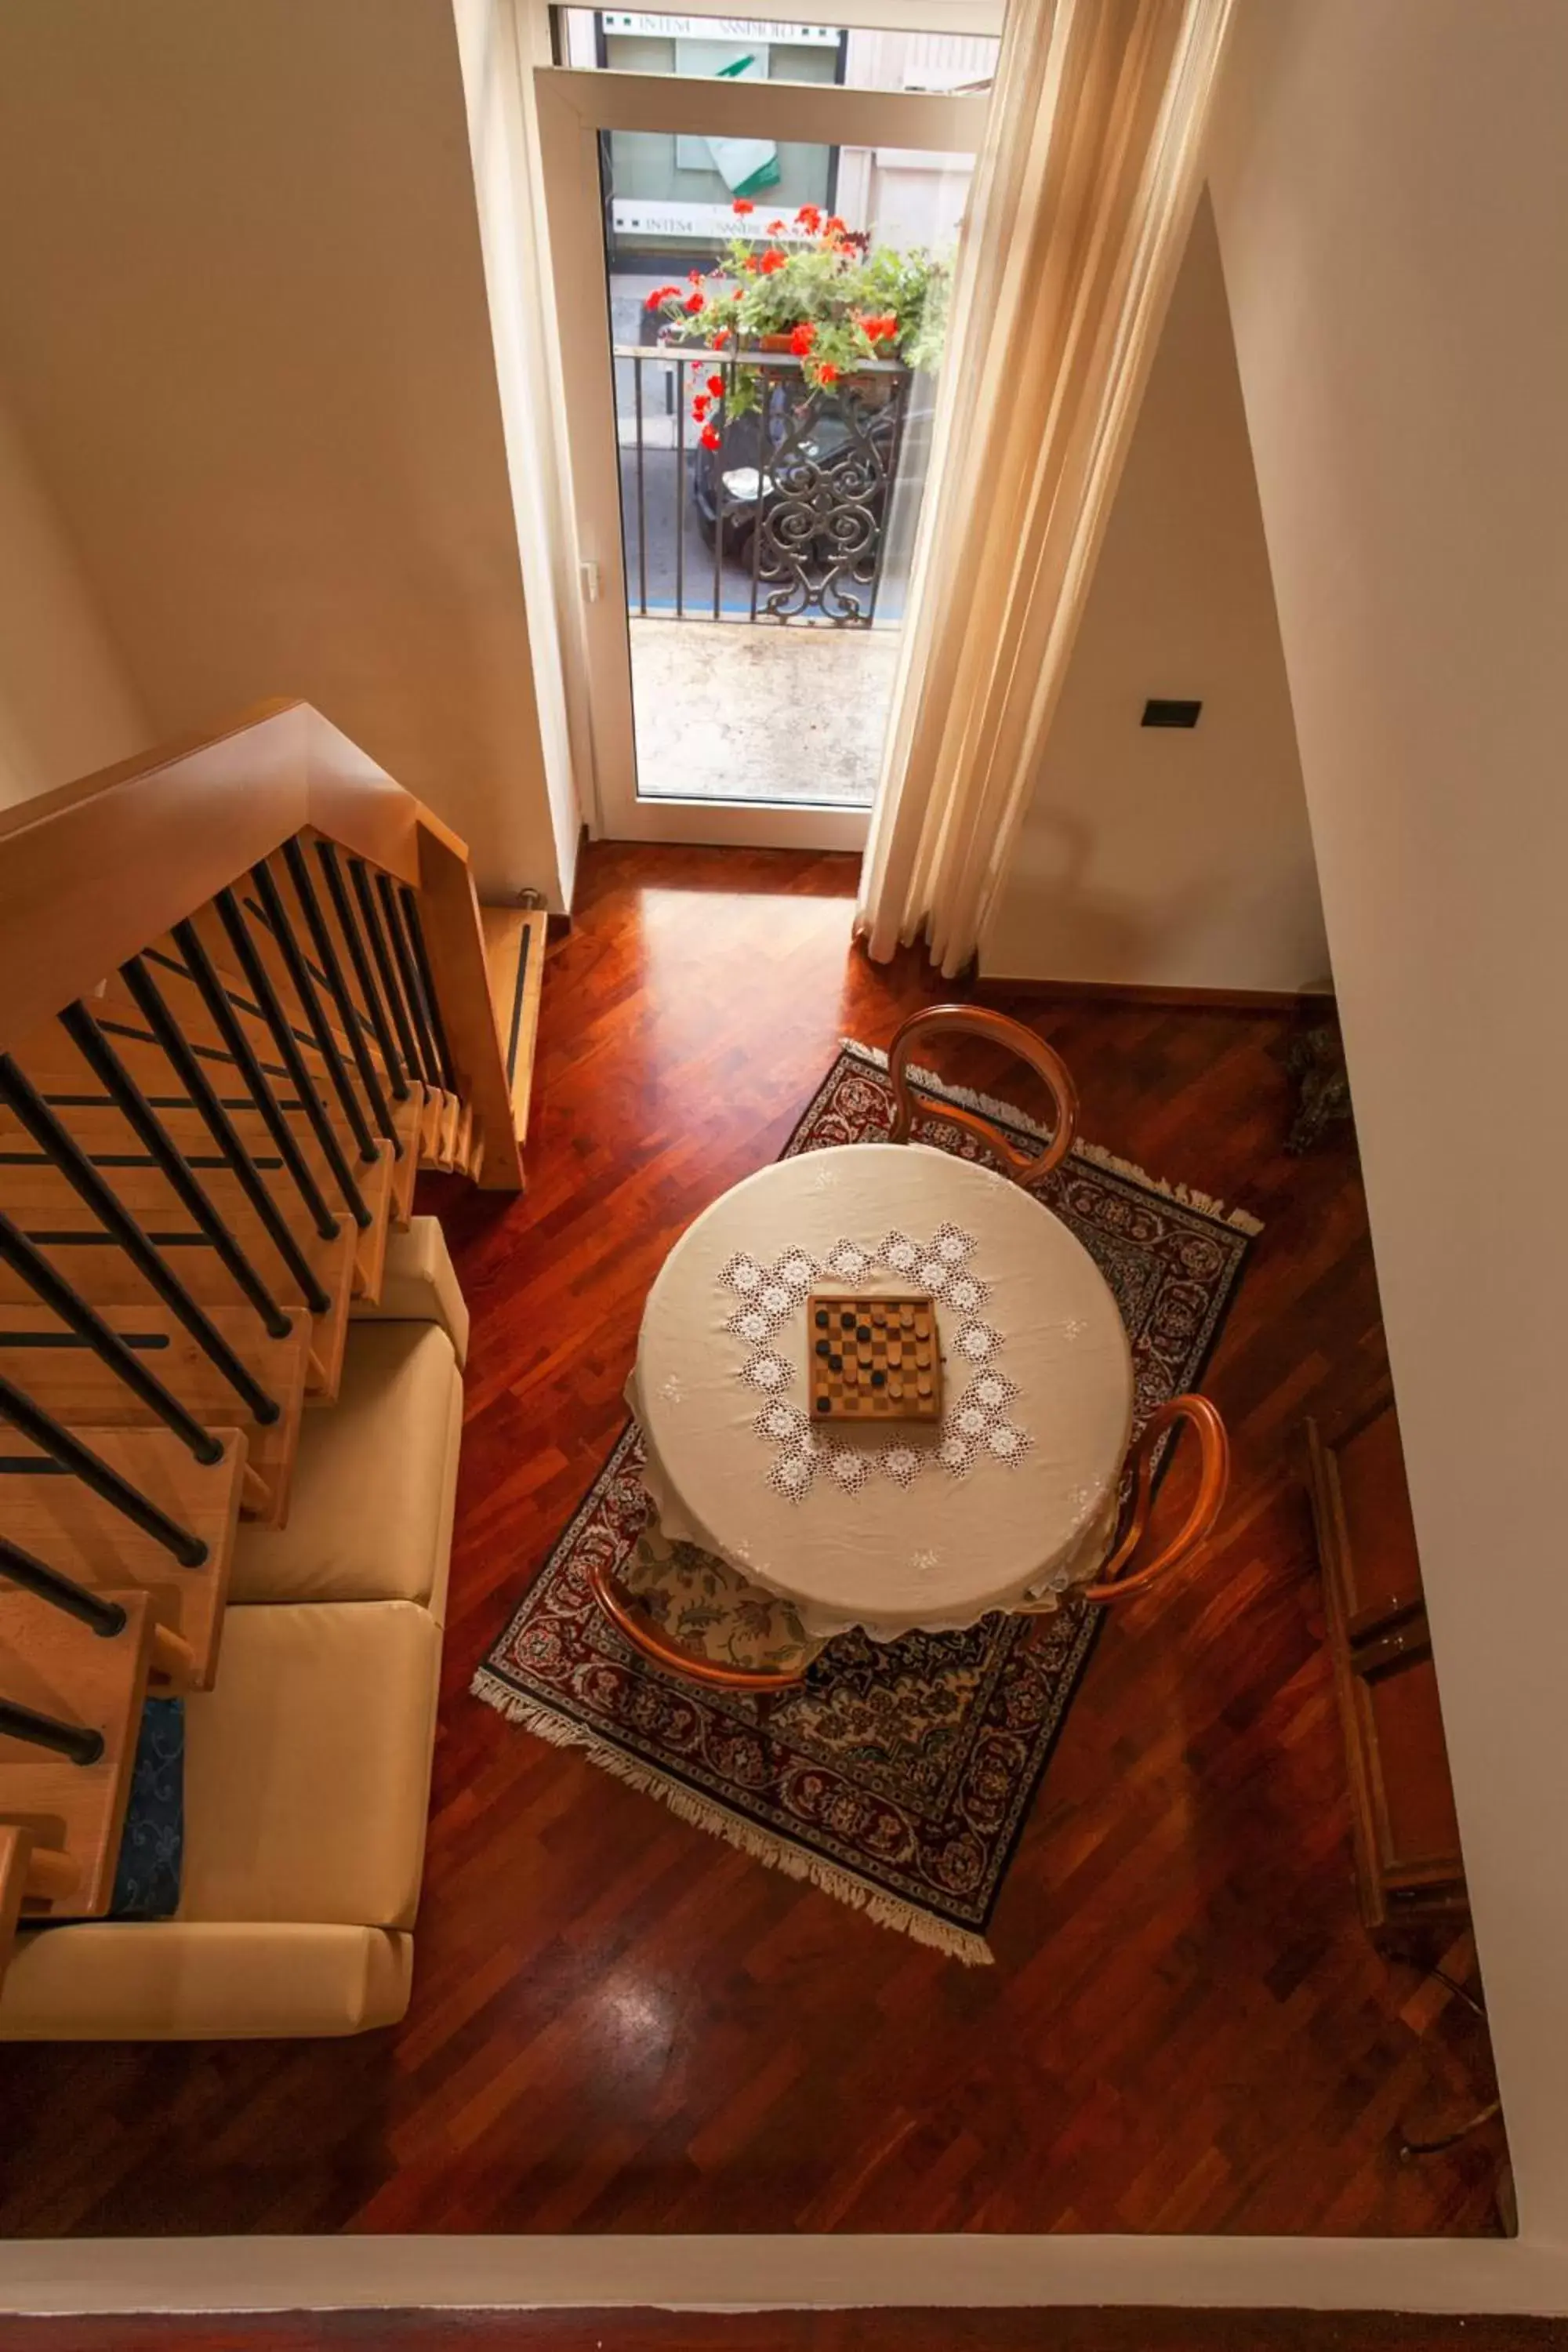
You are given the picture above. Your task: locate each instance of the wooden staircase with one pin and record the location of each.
(247, 995)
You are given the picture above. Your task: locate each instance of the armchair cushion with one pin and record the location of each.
(178, 1981)
(375, 1483)
(308, 1768)
(418, 1285)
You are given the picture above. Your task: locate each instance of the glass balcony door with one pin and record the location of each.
(744, 490)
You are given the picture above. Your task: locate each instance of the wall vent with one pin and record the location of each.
(1158, 713)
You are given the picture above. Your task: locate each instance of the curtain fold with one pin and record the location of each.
(1080, 214)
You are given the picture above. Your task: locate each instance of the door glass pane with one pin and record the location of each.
(776, 359)
(626, 41)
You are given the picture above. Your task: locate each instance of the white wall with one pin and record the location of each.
(1392, 189)
(1156, 856)
(498, 43)
(66, 704)
(243, 322)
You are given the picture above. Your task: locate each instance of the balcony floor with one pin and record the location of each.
(728, 710)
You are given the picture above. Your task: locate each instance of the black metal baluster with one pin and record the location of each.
(515, 1029)
(71, 1162)
(105, 1063)
(106, 1618)
(348, 923)
(183, 1060)
(386, 966)
(895, 458)
(723, 421)
(259, 979)
(57, 1294)
(642, 498)
(426, 980)
(316, 1022)
(72, 1740)
(764, 413)
(428, 1062)
(215, 996)
(680, 497)
(68, 1454)
(304, 891)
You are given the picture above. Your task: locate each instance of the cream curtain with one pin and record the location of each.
(1080, 215)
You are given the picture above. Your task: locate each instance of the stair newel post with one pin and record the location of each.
(454, 943)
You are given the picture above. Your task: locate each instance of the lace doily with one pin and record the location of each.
(975, 1426)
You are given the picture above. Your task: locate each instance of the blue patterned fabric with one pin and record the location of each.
(147, 1881)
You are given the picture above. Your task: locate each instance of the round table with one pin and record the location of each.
(1012, 1496)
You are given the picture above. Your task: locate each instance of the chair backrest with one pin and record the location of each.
(975, 1021)
(1214, 1479)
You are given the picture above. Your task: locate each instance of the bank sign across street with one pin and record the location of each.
(718, 28)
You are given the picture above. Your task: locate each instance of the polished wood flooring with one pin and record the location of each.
(621, 2024)
(796, 2331)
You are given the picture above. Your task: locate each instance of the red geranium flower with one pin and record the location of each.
(700, 407)
(720, 337)
(694, 278)
(833, 225)
(828, 372)
(810, 218)
(716, 387)
(777, 228)
(711, 438)
(694, 302)
(661, 294)
(802, 338)
(773, 259)
(742, 204)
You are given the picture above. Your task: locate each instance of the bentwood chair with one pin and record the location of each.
(694, 1614)
(974, 1020)
(1113, 1583)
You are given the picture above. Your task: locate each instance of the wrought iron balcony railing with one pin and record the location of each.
(781, 512)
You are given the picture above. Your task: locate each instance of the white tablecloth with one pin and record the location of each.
(1014, 1495)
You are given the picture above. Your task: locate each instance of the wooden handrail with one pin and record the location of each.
(91, 873)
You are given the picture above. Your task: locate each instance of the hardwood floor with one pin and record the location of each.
(799, 2331)
(621, 2024)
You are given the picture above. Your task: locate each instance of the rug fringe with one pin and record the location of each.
(1186, 1196)
(706, 1813)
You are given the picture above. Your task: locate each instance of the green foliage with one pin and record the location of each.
(843, 303)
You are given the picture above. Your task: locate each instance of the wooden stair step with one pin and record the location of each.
(62, 1226)
(185, 1001)
(514, 959)
(59, 1667)
(46, 1205)
(67, 1378)
(75, 1094)
(65, 1524)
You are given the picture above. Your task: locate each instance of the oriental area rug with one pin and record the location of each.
(899, 1776)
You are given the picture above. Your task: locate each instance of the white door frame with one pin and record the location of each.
(573, 109)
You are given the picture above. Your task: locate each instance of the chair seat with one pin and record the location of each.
(370, 1517)
(706, 1607)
